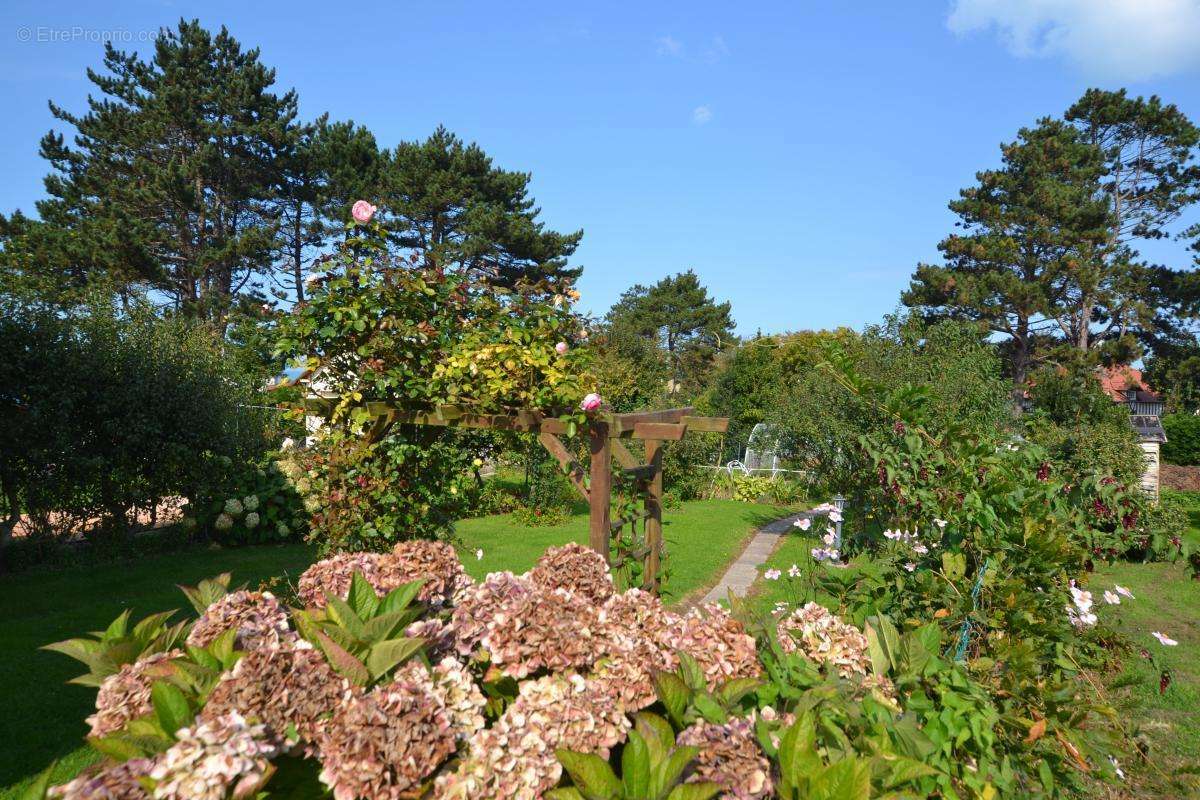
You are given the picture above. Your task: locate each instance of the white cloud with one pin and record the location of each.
(669, 46)
(716, 50)
(701, 115)
(1112, 39)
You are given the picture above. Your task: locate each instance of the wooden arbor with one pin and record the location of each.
(605, 432)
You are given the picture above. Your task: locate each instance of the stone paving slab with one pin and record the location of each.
(744, 571)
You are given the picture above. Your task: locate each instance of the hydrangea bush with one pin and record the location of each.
(403, 678)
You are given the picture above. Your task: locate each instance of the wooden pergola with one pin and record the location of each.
(606, 434)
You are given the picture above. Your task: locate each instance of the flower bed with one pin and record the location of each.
(402, 678)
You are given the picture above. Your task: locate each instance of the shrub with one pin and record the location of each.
(109, 412)
(254, 504)
(1183, 439)
(528, 686)
(399, 329)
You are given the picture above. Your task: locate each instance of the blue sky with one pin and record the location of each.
(798, 155)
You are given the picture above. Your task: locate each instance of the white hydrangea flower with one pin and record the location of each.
(224, 522)
(251, 519)
(233, 507)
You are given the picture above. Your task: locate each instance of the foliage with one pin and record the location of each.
(686, 325)
(111, 412)
(377, 493)
(167, 185)
(1049, 242)
(1183, 439)
(381, 327)
(822, 421)
(447, 200)
(254, 504)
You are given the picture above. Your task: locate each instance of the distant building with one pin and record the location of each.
(1125, 385)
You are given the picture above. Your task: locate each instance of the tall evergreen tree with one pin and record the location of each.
(448, 200)
(170, 180)
(676, 314)
(1029, 228)
(326, 167)
(1150, 176)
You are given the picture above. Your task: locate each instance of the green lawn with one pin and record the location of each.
(43, 716)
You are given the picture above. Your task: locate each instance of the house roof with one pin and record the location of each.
(1119, 379)
(1149, 428)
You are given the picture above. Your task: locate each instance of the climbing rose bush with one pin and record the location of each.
(403, 678)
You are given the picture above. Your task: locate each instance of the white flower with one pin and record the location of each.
(893, 535)
(941, 523)
(233, 507)
(835, 516)
(772, 574)
(251, 519)
(920, 549)
(794, 572)
(830, 536)
(803, 524)
(1163, 639)
(1111, 598)
(910, 566)
(250, 502)
(224, 522)
(1121, 590)
(1117, 767)
(479, 554)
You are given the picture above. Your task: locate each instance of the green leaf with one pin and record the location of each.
(591, 775)
(694, 791)
(399, 598)
(635, 767)
(118, 748)
(362, 597)
(568, 793)
(693, 673)
(673, 693)
(36, 790)
(117, 628)
(848, 779)
(343, 616)
(710, 709)
(342, 661)
(656, 732)
(386, 655)
(797, 751)
(734, 690)
(902, 770)
(170, 706)
(667, 773)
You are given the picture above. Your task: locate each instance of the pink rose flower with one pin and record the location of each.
(591, 402)
(561, 348)
(362, 211)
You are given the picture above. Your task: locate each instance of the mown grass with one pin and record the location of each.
(43, 715)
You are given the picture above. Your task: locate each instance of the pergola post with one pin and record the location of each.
(600, 489)
(654, 457)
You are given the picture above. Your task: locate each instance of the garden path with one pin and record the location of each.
(744, 571)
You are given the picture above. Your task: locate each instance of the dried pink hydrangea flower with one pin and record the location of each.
(438, 635)
(636, 641)
(575, 568)
(434, 563)
(261, 622)
(384, 743)
(333, 575)
(718, 642)
(551, 630)
(729, 757)
(285, 690)
(452, 685)
(125, 695)
(825, 639)
(515, 757)
(112, 782)
(500, 592)
(217, 758)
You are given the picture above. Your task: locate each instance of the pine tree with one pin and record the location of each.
(169, 184)
(449, 201)
(1031, 228)
(676, 314)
